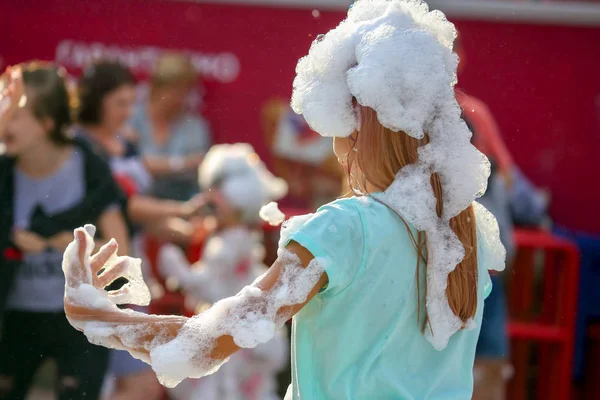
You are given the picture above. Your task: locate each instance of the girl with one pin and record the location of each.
(386, 287)
(49, 184)
(238, 186)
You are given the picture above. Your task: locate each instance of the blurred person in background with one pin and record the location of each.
(172, 140)
(107, 97)
(106, 100)
(49, 184)
(237, 185)
(513, 200)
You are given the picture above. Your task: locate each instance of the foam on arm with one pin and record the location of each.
(177, 347)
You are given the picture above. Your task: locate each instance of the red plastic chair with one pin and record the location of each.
(552, 326)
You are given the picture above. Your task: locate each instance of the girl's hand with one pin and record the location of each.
(29, 242)
(87, 276)
(91, 309)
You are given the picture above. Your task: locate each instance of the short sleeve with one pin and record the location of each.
(335, 236)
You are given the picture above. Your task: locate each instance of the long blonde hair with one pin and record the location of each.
(376, 157)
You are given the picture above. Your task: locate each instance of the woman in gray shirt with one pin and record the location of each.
(49, 185)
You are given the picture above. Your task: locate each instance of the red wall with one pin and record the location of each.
(539, 81)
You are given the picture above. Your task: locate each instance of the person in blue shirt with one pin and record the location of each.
(171, 139)
(386, 288)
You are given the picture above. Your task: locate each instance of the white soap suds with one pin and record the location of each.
(231, 260)
(270, 213)
(395, 56)
(252, 317)
(289, 227)
(242, 177)
(489, 233)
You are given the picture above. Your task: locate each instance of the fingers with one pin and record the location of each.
(121, 291)
(81, 240)
(100, 259)
(113, 273)
(90, 229)
(75, 260)
(83, 254)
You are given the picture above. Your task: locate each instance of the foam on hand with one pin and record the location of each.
(270, 213)
(395, 56)
(252, 317)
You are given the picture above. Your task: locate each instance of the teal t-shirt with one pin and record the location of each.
(360, 338)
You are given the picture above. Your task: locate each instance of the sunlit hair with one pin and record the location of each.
(376, 157)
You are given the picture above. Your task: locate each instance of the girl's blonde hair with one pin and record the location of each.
(378, 154)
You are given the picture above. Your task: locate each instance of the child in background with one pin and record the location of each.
(238, 185)
(386, 287)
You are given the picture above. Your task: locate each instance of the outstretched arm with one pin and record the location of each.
(178, 347)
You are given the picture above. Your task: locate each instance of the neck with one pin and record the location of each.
(42, 160)
(158, 112)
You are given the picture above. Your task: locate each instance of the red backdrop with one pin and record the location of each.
(541, 82)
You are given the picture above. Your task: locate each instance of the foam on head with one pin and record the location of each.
(245, 181)
(395, 56)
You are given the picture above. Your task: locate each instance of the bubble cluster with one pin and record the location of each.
(270, 213)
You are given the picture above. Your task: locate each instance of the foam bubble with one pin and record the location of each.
(270, 213)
